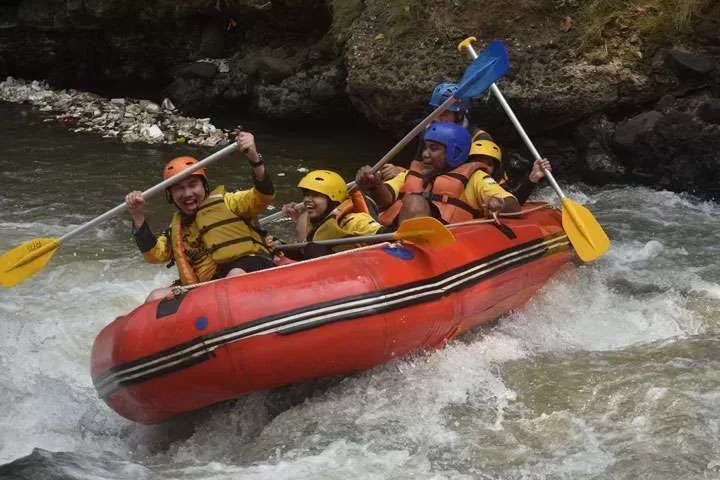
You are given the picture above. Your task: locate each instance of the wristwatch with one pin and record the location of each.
(258, 163)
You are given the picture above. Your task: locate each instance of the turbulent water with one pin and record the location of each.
(611, 371)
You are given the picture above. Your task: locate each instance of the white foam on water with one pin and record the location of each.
(47, 329)
(458, 412)
(452, 413)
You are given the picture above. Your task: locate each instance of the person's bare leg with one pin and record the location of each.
(414, 206)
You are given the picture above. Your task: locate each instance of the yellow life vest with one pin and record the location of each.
(221, 235)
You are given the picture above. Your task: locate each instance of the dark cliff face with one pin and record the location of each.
(152, 49)
(609, 91)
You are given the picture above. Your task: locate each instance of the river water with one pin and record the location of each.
(611, 371)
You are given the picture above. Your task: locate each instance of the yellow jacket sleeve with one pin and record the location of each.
(482, 186)
(161, 252)
(248, 203)
(358, 224)
(397, 182)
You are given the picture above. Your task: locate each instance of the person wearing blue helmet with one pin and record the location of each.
(444, 184)
(457, 111)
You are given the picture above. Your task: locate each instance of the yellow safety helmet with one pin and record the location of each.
(486, 147)
(481, 135)
(325, 182)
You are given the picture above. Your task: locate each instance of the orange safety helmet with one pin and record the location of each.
(179, 164)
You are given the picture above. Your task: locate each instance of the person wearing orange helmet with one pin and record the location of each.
(212, 233)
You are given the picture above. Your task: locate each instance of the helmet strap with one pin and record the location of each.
(331, 206)
(206, 187)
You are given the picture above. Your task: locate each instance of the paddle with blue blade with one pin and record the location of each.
(489, 66)
(583, 230)
(20, 263)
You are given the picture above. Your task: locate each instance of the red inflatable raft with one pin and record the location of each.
(334, 315)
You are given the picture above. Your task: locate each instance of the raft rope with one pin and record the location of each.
(183, 289)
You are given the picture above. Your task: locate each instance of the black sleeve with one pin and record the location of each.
(144, 238)
(523, 190)
(264, 186)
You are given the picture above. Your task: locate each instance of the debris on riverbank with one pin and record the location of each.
(130, 120)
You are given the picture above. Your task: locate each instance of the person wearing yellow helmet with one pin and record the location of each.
(330, 212)
(212, 234)
(489, 154)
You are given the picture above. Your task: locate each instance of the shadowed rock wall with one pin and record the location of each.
(637, 101)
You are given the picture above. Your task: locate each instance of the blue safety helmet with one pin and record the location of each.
(445, 90)
(455, 138)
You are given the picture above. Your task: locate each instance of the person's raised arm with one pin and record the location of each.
(246, 144)
(372, 185)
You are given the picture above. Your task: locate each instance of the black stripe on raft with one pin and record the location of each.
(313, 316)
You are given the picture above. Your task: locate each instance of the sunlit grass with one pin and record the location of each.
(653, 20)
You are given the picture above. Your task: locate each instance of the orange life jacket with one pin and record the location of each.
(185, 269)
(446, 191)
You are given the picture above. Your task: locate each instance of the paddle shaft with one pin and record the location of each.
(508, 110)
(387, 157)
(340, 241)
(151, 191)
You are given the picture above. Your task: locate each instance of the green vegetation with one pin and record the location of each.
(655, 21)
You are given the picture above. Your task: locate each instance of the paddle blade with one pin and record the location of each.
(489, 66)
(585, 233)
(20, 263)
(425, 231)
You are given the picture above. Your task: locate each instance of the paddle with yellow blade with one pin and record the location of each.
(425, 231)
(20, 263)
(486, 68)
(583, 230)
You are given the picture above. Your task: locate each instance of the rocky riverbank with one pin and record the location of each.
(610, 91)
(129, 120)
